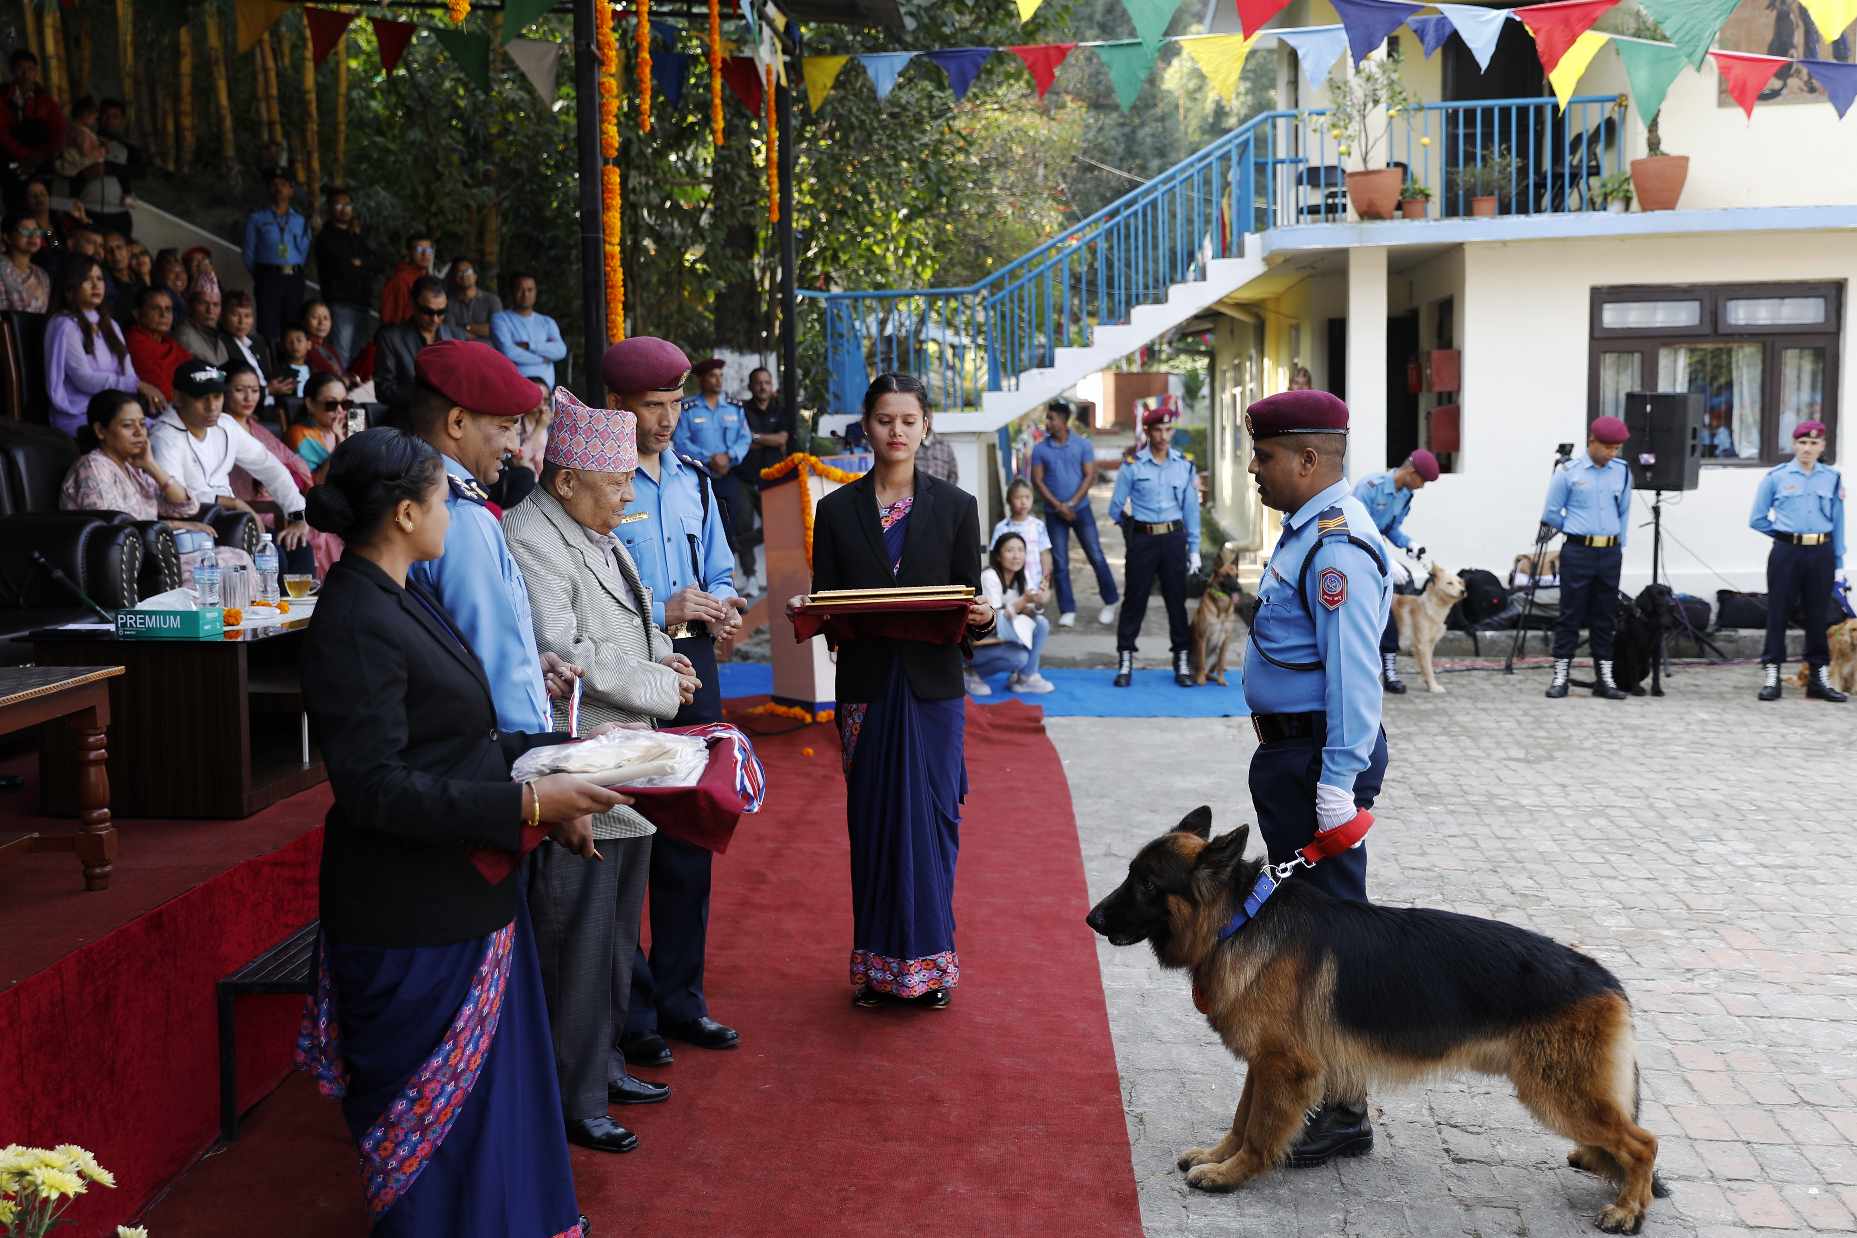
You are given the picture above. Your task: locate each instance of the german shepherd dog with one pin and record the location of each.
(1325, 997)
(1217, 617)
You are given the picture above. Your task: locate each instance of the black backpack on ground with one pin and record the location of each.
(1734, 609)
(1484, 598)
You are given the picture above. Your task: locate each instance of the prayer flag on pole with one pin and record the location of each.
(538, 59)
(1128, 63)
(820, 72)
(1480, 29)
(1573, 62)
(1557, 26)
(470, 52)
(1317, 49)
(1837, 80)
(744, 78)
(1433, 29)
(962, 65)
(1690, 24)
(519, 15)
(1027, 8)
(391, 37)
(1649, 69)
(325, 30)
(1042, 60)
(669, 71)
(884, 68)
(1831, 17)
(1254, 15)
(1151, 18)
(1368, 22)
(1221, 58)
(1746, 76)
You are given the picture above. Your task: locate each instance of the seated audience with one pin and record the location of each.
(396, 295)
(397, 346)
(198, 263)
(533, 341)
(118, 472)
(51, 230)
(24, 285)
(152, 346)
(31, 123)
(326, 403)
(84, 352)
(244, 391)
(200, 334)
(106, 193)
(116, 263)
(171, 273)
(318, 326)
(532, 430)
(83, 153)
(470, 308)
(1023, 630)
(239, 321)
(1019, 519)
(293, 357)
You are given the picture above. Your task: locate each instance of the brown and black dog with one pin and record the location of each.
(1324, 997)
(1220, 608)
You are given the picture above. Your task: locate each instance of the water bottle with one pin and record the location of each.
(187, 546)
(206, 580)
(266, 563)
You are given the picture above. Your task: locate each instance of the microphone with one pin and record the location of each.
(70, 586)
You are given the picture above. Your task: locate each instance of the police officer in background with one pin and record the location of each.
(714, 432)
(1589, 501)
(1160, 525)
(1388, 497)
(1800, 505)
(674, 530)
(1314, 688)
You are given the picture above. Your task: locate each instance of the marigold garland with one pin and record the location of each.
(805, 464)
(458, 10)
(795, 712)
(644, 66)
(610, 202)
(715, 71)
(773, 149)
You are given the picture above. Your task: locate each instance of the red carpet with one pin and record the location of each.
(1002, 1115)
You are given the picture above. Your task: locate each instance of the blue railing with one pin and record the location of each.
(1279, 169)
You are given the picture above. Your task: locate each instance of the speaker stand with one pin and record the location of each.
(1657, 567)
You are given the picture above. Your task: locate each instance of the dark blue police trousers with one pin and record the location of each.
(1588, 598)
(1283, 777)
(1801, 574)
(1151, 555)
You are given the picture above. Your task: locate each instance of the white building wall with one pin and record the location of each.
(1788, 154)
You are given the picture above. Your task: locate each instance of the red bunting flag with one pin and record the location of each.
(325, 30)
(1746, 76)
(1254, 15)
(1042, 59)
(744, 78)
(392, 38)
(1557, 26)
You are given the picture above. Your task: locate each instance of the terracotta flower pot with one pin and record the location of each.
(1658, 180)
(1483, 206)
(1414, 208)
(1375, 195)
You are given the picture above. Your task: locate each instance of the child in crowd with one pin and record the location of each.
(532, 430)
(1031, 529)
(293, 355)
(198, 263)
(1022, 628)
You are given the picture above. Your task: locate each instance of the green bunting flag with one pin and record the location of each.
(1128, 63)
(1691, 24)
(519, 15)
(1151, 18)
(470, 52)
(1649, 68)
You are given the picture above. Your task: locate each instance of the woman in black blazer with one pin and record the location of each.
(901, 704)
(428, 1020)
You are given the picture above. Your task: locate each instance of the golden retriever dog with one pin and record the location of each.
(1420, 619)
(1842, 672)
(1524, 565)
(1217, 617)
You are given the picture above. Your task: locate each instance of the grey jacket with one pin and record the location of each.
(593, 610)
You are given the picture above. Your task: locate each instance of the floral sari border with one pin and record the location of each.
(905, 977)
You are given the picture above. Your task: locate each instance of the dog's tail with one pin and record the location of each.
(1658, 1188)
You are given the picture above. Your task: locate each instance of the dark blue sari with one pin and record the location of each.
(905, 778)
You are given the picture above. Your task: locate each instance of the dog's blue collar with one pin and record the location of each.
(1247, 910)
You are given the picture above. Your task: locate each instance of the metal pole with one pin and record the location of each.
(592, 241)
(789, 298)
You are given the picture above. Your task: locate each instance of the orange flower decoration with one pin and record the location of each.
(644, 66)
(773, 148)
(610, 202)
(234, 616)
(805, 464)
(715, 71)
(458, 10)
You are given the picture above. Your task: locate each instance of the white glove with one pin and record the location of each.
(1192, 562)
(1333, 807)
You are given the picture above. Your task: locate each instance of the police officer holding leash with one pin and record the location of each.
(1314, 688)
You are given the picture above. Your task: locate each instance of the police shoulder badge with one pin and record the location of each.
(466, 488)
(1332, 586)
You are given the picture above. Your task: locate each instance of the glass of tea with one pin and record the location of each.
(299, 586)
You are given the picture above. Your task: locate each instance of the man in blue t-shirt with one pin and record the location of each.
(1063, 469)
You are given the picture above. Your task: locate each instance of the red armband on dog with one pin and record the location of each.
(1334, 842)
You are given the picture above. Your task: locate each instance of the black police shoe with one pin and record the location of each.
(704, 1033)
(1563, 667)
(647, 1050)
(631, 1090)
(1389, 674)
(1124, 669)
(1336, 1129)
(1603, 686)
(1770, 681)
(1183, 668)
(602, 1134)
(1818, 686)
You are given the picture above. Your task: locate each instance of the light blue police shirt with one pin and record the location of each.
(704, 429)
(481, 588)
(1156, 491)
(1791, 500)
(1588, 500)
(664, 515)
(1348, 599)
(1387, 503)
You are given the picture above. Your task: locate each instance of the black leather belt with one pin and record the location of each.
(1272, 727)
(280, 269)
(1157, 530)
(1597, 543)
(1803, 539)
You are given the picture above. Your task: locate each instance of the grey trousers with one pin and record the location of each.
(586, 917)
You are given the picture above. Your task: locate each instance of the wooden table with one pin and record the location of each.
(204, 729)
(33, 695)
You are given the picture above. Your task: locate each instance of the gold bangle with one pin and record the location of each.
(535, 805)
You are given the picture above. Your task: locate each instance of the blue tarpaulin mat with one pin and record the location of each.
(1080, 693)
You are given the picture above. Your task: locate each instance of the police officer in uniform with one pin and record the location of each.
(1800, 505)
(674, 530)
(1589, 501)
(1314, 687)
(1388, 497)
(1156, 501)
(714, 431)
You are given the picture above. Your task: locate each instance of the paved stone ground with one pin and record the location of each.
(1698, 845)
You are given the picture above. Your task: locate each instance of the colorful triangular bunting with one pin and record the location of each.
(962, 65)
(519, 15)
(1746, 76)
(1690, 25)
(820, 72)
(1573, 62)
(391, 37)
(470, 52)
(1151, 18)
(538, 59)
(1221, 58)
(745, 80)
(1368, 22)
(1557, 26)
(1433, 29)
(1837, 80)
(669, 71)
(884, 68)
(325, 30)
(1128, 62)
(1317, 48)
(1254, 15)
(1649, 68)
(1832, 17)
(1480, 29)
(251, 18)
(1042, 60)
(1027, 8)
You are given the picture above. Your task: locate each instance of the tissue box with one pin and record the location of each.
(170, 624)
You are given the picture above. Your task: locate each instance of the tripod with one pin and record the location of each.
(1543, 535)
(1658, 654)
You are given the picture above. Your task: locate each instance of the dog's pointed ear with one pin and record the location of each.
(1198, 822)
(1222, 855)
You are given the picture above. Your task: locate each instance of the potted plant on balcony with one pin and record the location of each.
(1658, 177)
(1363, 106)
(1615, 192)
(1417, 201)
(1487, 181)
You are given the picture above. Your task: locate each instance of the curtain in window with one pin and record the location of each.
(1746, 376)
(1618, 375)
(1802, 390)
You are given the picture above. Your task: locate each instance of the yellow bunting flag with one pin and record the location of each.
(1027, 8)
(1221, 58)
(820, 72)
(1573, 62)
(1830, 16)
(254, 17)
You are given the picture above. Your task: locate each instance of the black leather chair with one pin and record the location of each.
(33, 464)
(22, 367)
(98, 557)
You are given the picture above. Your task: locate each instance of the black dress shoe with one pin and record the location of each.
(646, 1051)
(867, 997)
(704, 1033)
(1335, 1130)
(635, 1091)
(934, 999)
(586, 1226)
(602, 1134)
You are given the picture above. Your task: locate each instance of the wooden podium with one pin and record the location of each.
(804, 674)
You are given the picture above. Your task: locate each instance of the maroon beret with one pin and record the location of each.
(706, 365)
(475, 377)
(644, 363)
(1424, 464)
(1609, 430)
(1297, 412)
(1809, 427)
(1160, 416)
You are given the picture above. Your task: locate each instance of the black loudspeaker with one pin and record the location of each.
(1665, 449)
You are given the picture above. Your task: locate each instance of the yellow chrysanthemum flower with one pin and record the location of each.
(8, 1210)
(131, 1231)
(56, 1183)
(1424, 141)
(85, 1162)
